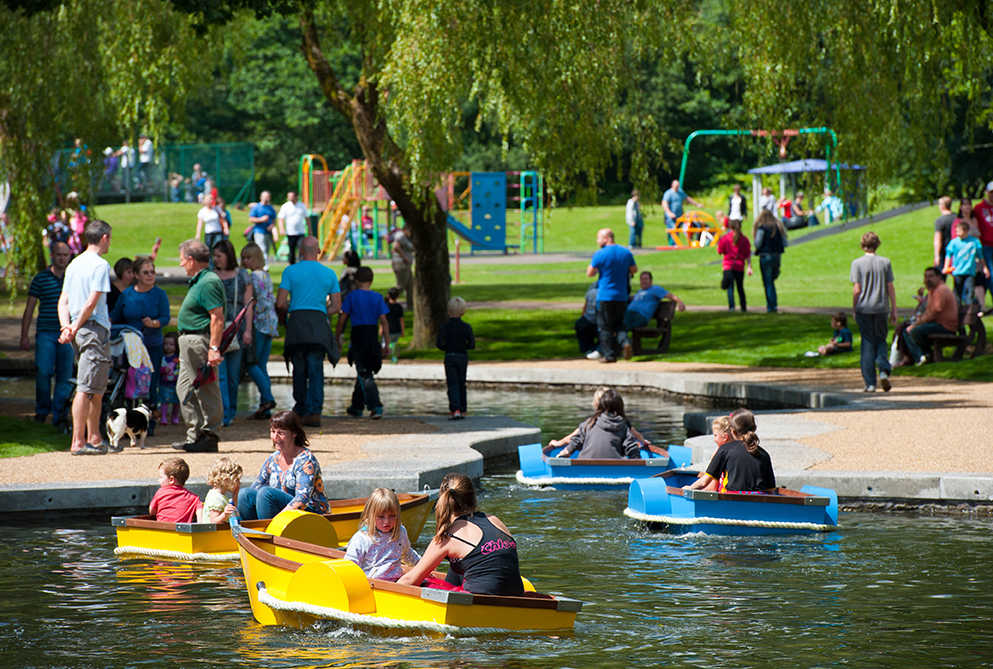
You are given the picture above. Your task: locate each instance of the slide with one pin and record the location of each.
(474, 237)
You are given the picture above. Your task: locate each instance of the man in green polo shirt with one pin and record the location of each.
(200, 324)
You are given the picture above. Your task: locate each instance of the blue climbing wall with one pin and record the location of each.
(489, 211)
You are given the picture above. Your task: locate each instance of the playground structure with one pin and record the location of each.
(475, 204)
(695, 228)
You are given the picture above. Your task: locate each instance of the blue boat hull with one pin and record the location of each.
(575, 474)
(661, 500)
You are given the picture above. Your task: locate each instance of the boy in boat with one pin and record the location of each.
(172, 503)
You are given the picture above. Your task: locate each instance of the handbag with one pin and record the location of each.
(726, 281)
(235, 344)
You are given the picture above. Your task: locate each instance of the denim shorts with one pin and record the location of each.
(93, 348)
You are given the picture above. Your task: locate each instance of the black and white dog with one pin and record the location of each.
(132, 423)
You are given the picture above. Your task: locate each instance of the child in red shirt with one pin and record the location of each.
(172, 502)
(737, 252)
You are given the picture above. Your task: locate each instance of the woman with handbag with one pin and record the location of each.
(734, 246)
(238, 292)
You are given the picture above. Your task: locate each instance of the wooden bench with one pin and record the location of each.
(663, 330)
(971, 336)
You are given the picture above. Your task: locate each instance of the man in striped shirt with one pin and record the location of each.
(51, 357)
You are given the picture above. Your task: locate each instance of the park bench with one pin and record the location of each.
(663, 330)
(971, 336)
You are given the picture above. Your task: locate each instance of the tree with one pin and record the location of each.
(90, 69)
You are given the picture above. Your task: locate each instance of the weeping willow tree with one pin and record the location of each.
(99, 70)
(894, 78)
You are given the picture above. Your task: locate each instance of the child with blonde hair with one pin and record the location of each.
(455, 338)
(381, 546)
(224, 479)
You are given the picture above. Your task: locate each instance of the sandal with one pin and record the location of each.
(90, 449)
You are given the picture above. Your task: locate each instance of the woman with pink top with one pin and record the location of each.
(736, 249)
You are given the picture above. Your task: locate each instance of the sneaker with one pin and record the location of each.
(884, 382)
(869, 389)
(593, 355)
(354, 413)
(376, 413)
(313, 420)
(90, 449)
(922, 361)
(628, 351)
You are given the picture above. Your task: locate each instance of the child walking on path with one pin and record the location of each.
(455, 338)
(381, 547)
(736, 249)
(369, 336)
(168, 373)
(395, 319)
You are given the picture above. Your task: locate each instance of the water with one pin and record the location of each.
(883, 591)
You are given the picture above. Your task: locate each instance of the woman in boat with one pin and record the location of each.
(740, 465)
(479, 547)
(605, 434)
(290, 478)
(597, 395)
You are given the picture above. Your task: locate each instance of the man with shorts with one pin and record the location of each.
(615, 265)
(200, 324)
(85, 321)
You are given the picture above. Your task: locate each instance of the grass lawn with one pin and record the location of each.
(23, 436)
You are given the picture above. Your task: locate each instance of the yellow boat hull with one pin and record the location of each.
(295, 583)
(142, 535)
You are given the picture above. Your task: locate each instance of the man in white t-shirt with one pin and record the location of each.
(292, 220)
(146, 154)
(85, 322)
(213, 225)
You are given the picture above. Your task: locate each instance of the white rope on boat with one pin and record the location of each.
(706, 520)
(177, 555)
(364, 619)
(574, 480)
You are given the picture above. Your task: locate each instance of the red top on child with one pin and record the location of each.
(736, 254)
(174, 504)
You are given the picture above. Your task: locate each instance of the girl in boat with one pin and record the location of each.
(597, 394)
(479, 547)
(605, 434)
(740, 465)
(224, 479)
(381, 547)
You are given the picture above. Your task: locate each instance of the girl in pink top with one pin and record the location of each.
(737, 252)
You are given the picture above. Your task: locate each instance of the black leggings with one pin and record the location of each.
(732, 278)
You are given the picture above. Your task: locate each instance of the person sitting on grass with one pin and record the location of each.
(605, 434)
(381, 547)
(369, 336)
(841, 338)
(597, 396)
(224, 479)
(740, 465)
(456, 338)
(172, 503)
(643, 306)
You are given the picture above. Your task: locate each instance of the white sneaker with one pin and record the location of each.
(593, 355)
(869, 389)
(922, 361)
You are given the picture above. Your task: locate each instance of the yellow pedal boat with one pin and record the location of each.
(293, 581)
(210, 542)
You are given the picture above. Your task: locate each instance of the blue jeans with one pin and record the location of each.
(264, 502)
(964, 288)
(874, 351)
(916, 339)
(670, 223)
(634, 239)
(456, 366)
(228, 376)
(988, 257)
(211, 238)
(52, 359)
(260, 375)
(308, 382)
(769, 265)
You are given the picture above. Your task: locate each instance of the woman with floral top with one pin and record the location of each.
(266, 327)
(290, 478)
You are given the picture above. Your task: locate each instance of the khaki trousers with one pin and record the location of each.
(201, 407)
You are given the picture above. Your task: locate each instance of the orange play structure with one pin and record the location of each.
(694, 228)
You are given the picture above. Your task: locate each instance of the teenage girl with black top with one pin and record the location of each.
(479, 547)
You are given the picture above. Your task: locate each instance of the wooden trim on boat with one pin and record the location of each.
(781, 496)
(608, 462)
(262, 556)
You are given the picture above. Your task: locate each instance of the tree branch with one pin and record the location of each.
(326, 78)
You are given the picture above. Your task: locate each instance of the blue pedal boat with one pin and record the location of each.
(663, 500)
(574, 473)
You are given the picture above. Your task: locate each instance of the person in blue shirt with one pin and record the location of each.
(309, 293)
(963, 260)
(263, 219)
(370, 334)
(615, 265)
(643, 306)
(841, 337)
(672, 205)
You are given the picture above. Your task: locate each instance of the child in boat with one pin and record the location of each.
(841, 338)
(721, 429)
(597, 394)
(381, 546)
(224, 479)
(172, 503)
(740, 465)
(605, 434)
